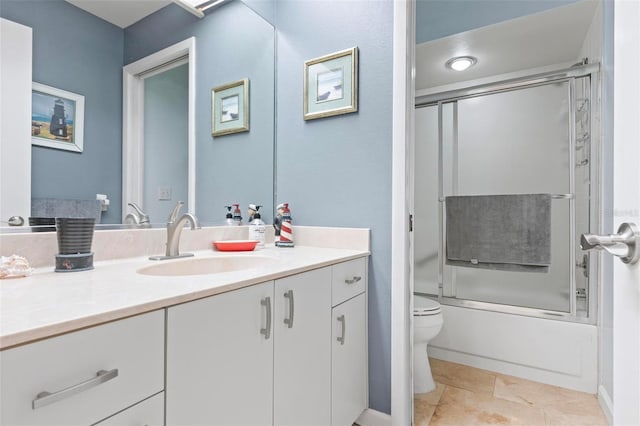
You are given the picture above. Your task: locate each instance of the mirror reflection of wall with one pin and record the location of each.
(165, 141)
(232, 43)
(81, 53)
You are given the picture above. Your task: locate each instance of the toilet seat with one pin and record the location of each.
(423, 306)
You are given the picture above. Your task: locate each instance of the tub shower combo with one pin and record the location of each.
(506, 181)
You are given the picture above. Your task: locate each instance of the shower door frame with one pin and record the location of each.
(527, 81)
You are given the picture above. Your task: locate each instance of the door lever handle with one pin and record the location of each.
(625, 244)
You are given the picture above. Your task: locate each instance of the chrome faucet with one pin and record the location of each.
(138, 218)
(174, 230)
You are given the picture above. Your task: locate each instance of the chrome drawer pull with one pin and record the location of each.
(266, 302)
(289, 321)
(46, 398)
(355, 279)
(344, 328)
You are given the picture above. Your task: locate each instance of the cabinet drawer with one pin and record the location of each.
(348, 279)
(130, 351)
(149, 412)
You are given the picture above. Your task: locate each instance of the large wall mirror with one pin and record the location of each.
(76, 51)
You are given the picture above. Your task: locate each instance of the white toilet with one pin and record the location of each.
(427, 323)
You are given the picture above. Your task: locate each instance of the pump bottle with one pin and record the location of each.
(237, 215)
(229, 218)
(286, 229)
(257, 227)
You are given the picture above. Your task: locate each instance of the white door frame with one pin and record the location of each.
(402, 205)
(133, 122)
(626, 208)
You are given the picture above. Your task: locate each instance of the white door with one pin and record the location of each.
(302, 354)
(626, 208)
(15, 121)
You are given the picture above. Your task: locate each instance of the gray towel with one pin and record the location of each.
(500, 232)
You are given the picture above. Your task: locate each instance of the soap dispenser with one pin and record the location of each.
(257, 227)
(286, 230)
(237, 215)
(229, 218)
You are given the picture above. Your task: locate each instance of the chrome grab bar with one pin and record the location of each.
(46, 398)
(624, 244)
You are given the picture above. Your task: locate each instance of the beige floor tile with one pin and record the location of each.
(422, 412)
(461, 407)
(432, 397)
(562, 406)
(462, 376)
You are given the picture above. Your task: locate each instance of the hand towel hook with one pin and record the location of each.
(625, 244)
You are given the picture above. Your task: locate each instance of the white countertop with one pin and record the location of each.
(50, 303)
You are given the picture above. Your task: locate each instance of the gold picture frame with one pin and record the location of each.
(331, 84)
(230, 108)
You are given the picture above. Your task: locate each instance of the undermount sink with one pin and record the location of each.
(207, 265)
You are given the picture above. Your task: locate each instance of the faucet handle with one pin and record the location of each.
(175, 212)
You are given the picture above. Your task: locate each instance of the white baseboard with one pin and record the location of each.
(606, 404)
(371, 417)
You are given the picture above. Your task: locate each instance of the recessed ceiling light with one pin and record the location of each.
(461, 63)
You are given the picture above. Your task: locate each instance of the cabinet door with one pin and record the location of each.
(349, 361)
(302, 366)
(220, 359)
(149, 412)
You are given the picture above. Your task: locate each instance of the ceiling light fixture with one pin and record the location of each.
(197, 7)
(461, 63)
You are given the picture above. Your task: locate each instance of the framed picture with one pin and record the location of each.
(57, 118)
(230, 108)
(331, 84)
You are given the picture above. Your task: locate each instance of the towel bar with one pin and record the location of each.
(553, 197)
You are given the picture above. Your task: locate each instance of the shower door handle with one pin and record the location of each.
(625, 244)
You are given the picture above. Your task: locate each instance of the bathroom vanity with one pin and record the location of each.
(284, 342)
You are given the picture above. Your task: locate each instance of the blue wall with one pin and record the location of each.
(75, 51)
(336, 171)
(232, 42)
(440, 18)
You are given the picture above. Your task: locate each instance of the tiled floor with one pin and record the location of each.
(470, 396)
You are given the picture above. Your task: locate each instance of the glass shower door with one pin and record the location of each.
(515, 142)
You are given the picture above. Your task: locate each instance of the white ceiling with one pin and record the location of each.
(546, 38)
(120, 12)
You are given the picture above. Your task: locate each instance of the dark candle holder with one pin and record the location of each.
(75, 236)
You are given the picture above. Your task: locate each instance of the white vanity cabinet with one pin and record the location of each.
(220, 359)
(83, 377)
(269, 354)
(349, 387)
(255, 356)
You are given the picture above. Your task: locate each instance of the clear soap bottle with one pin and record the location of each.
(257, 227)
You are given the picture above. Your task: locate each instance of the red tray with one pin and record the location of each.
(235, 245)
